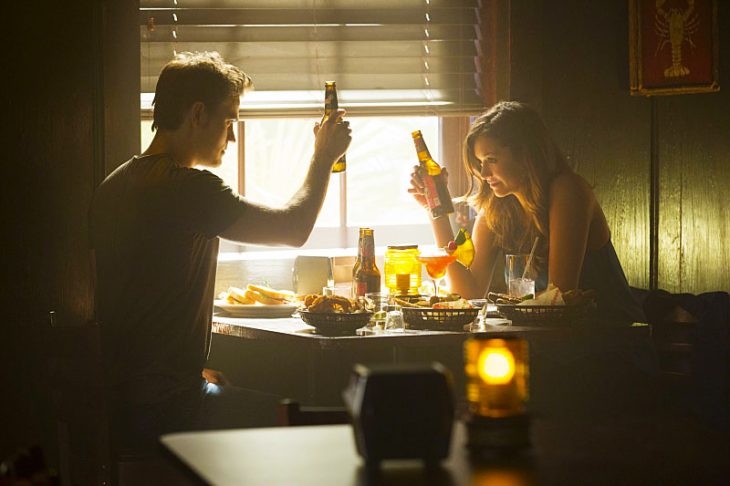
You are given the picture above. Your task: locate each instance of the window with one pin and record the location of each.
(372, 192)
(380, 160)
(399, 66)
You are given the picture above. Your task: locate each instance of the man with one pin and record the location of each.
(155, 223)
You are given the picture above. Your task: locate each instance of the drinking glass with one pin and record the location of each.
(394, 318)
(520, 282)
(436, 264)
(376, 303)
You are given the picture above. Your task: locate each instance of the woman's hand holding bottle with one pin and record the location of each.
(417, 190)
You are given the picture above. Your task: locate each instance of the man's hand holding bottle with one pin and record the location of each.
(332, 137)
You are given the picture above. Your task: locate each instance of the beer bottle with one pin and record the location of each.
(365, 274)
(330, 106)
(434, 185)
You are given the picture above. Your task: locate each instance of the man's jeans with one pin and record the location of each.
(137, 428)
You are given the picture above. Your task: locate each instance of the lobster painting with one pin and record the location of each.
(675, 26)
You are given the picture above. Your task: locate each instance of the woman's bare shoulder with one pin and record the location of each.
(571, 187)
(481, 231)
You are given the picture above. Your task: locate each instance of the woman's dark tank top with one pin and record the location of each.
(602, 272)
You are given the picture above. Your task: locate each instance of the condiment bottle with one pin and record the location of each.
(402, 269)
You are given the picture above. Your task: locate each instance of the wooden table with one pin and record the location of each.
(592, 451)
(285, 357)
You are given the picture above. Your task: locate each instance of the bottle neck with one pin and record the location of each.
(330, 98)
(424, 156)
(366, 248)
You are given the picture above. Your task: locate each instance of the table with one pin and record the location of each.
(291, 360)
(639, 450)
(285, 357)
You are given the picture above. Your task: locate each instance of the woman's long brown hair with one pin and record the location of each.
(518, 127)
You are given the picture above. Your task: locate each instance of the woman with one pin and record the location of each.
(523, 189)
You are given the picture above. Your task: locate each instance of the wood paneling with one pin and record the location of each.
(58, 116)
(694, 171)
(583, 92)
(694, 154)
(570, 59)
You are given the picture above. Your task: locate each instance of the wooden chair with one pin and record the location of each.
(291, 413)
(75, 385)
(86, 450)
(674, 338)
(692, 338)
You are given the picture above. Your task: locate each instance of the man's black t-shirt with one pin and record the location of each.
(154, 229)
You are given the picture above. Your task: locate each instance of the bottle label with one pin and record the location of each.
(360, 289)
(330, 98)
(430, 190)
(330, 106)
(367, 248)
(365, 284)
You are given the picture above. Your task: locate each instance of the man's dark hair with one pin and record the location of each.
(193, 77)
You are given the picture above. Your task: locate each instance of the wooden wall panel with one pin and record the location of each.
(694, 222)
(586, 105)
(54, 146)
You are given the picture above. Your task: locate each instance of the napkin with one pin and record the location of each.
(551, 296)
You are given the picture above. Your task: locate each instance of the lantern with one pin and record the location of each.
(497, 391)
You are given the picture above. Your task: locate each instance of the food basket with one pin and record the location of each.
(430, 319)
(334, 323)
(563, 315)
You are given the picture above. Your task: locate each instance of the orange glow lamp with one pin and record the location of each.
(497, 391)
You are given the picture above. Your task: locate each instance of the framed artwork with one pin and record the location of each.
(673, 47)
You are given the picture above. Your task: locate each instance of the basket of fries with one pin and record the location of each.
(336, 323)
(545, 314)
(552, 308)
(333, 315)
(431, 319)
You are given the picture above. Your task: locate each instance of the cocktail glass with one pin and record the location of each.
(436, 267)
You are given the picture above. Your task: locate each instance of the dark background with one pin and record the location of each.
(71, 112)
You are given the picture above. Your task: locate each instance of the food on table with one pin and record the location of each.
(579, 296)
(451, 301)
(455, 304)
(309, 298)
(267, 295)
(257, 294)
(234, 295)
(500, 298)
(332, 304)
(551, 296)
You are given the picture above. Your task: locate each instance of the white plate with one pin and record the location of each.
(256, 310)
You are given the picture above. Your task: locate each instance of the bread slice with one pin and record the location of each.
(269, 294)
(263, 299)
(239, 296)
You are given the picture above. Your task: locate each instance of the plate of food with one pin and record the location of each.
(257, 301)
(552, 307)
(334, 315)
(444, 313)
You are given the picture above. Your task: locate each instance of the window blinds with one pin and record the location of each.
(387, 56)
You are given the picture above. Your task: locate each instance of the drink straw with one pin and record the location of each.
(529, 258)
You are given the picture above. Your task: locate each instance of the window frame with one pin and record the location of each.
(451, 132)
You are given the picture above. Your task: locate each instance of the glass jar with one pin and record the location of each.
(402, 269)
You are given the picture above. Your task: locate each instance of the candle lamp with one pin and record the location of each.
(497, 391)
